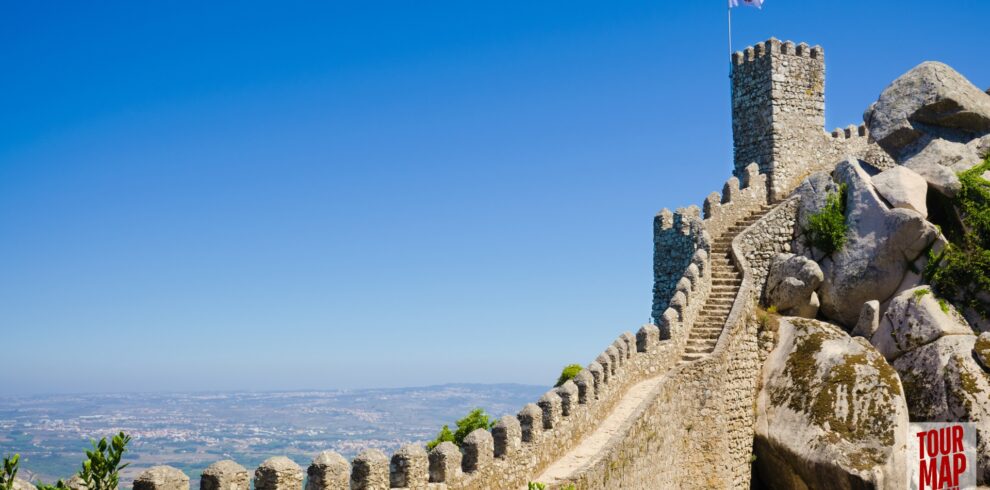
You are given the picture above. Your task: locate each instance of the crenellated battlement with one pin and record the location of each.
(774, 46)
(678, 235)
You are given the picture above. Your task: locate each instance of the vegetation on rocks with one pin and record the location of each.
(475, 419)
(962, 271)
(827, 228)
(569, 372)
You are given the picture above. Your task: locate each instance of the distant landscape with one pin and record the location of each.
(192, 430)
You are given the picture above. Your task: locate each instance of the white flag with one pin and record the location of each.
(746, 3)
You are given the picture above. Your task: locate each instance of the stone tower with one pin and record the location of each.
(778, 111)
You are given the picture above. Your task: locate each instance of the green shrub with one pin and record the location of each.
(445, 435)
(476, 419)
(535, 485)
(569, 372)
(827, 228)
(961, 272)
(10, 464)
(100, 470)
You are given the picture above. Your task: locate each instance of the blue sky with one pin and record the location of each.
(239, 195)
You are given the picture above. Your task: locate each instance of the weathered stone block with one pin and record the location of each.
(630, 341)
(531, 421)
(445, 462)
(568, 393)
(606, 364)
(410, 468)
(679, 304)
(278, 473)
(225, 475)
(479, 450)
(615, 358)
(668, 323)
(647, 337)
(162, 478)
(620, 346)
(550, 406)
(369, 471)
(585, 383)
(507, 434)
(328, 471)
(598, 376)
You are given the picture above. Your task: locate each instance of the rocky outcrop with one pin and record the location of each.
(915, 318)
(791, 285)
(881, 243)
(943, 382)
(931, 98)
(831, 413)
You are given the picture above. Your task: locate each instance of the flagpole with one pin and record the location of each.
(729, 10)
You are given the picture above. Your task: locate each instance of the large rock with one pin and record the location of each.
(944, 383)
(938, 161)
(831, 413)
(903, 188)
(880, 244)
(791, 285)
(915, 318)
(931, 98)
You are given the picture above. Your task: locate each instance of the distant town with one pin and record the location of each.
(192, 430)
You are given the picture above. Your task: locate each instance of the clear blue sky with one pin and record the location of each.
(239, 195)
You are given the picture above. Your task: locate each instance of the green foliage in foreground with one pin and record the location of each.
(962, 271)
(9, 472)
(827, 228)
(569, 372)
(476, 419)
(100, 470)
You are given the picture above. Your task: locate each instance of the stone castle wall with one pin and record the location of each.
(678, 235)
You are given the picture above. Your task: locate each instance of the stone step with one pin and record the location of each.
(713, 317)
(707, 339)
(727, 282)
(701, 351)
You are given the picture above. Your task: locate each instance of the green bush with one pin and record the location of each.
(535, 485)
(961, 272)
(445, 435)
(827, 228)
(476, 419)
(569, 372)
(100, 470)
(9, 472)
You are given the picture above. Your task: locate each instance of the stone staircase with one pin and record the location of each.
(726, 280)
